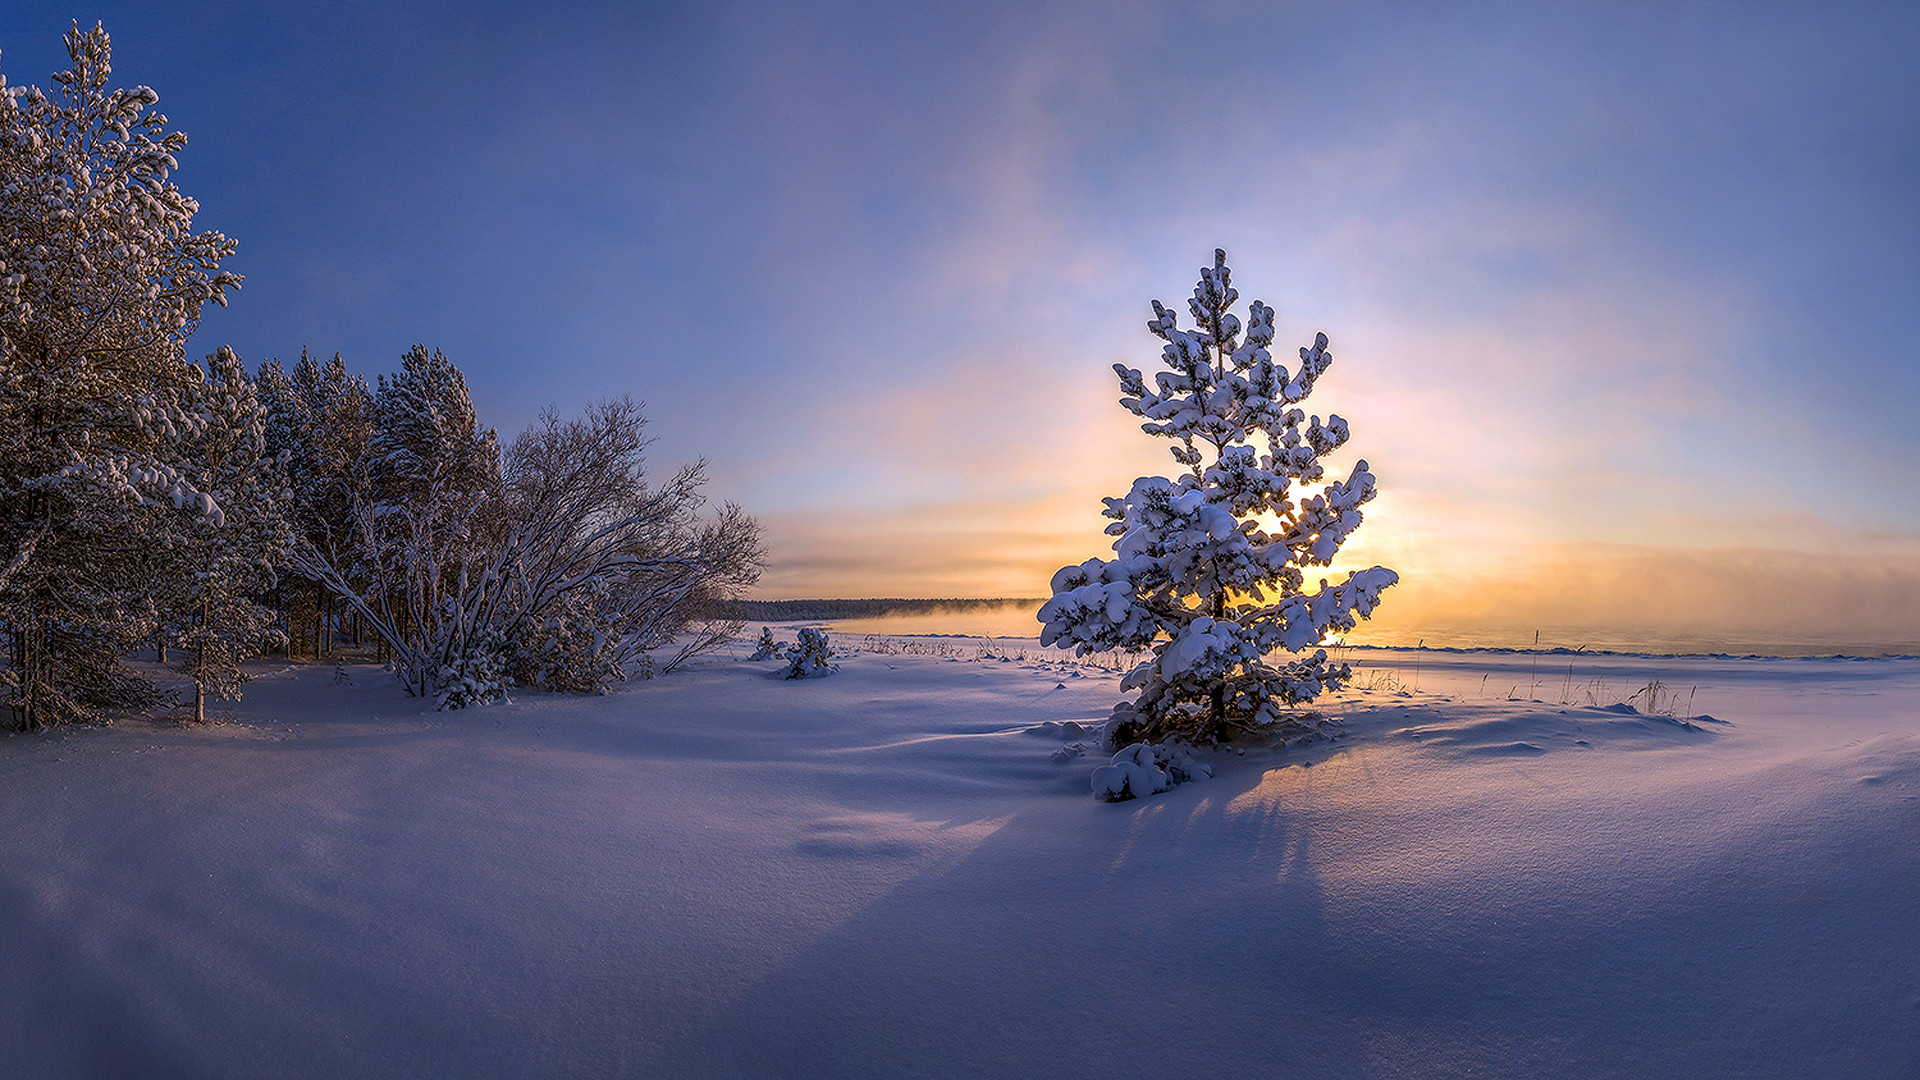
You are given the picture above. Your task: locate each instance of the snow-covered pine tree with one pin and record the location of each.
(319, 422)
(434, 472)
(419, 533)
(102, 279)
(766, 648)
(810, 654)
(226, 549)
(1209, 568)
(565, 646)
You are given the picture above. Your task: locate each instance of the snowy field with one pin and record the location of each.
(888, 873)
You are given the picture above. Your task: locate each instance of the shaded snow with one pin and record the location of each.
(894, 872)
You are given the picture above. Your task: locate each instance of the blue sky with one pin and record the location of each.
(1625, 300)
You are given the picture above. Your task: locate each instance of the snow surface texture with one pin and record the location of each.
(888, 874)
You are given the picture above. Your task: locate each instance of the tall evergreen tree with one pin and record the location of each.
(1210, 566)
(420, 512)
(226, 550)
(319, 422)
(102, 279)
(435, 476)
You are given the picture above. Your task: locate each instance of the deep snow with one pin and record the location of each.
(898, 870)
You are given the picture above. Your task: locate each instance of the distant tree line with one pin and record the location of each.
(146, 500)
(791, 610)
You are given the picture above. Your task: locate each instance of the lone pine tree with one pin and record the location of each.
(1210, 567)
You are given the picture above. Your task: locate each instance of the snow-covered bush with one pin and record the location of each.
(1209, 570)
(477, 675)
(566, 649)
(648, 569)
(563, 553)
(766, 648)
(1147, 769)
(810, 655)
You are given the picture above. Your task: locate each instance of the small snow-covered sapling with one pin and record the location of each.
(766, 648)
(810, 655)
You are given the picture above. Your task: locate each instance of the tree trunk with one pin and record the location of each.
(1220, 688)
(200, 668)
(23, 657)
(33, 675)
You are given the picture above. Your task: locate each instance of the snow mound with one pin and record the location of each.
(1529, 731)
(1888, 761)
(885, 836)
(1063, 729)
(1147, 769)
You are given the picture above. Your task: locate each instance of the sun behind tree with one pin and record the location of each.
(1196, 577)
